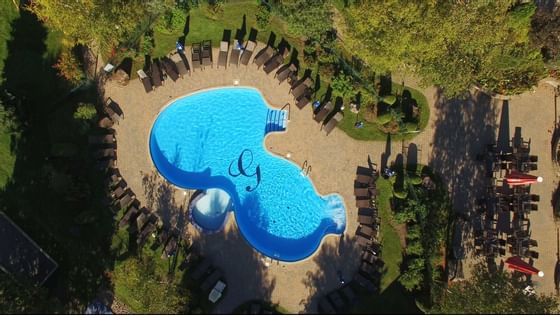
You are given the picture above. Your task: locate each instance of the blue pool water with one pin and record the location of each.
(209, 209)
(215, 139)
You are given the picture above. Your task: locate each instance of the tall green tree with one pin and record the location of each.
(110, 22)
(493, 293)
(453, 44)
(311, 19)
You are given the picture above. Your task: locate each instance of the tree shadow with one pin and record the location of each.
(386, 85)
(463, 129)
(253, 34)
(271, 39)
(163, 198)
(502, 143)
(245, 271)
(46, 193)
(412, 157)
(226, 35)
(385, 155)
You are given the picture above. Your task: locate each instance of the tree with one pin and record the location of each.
(19, 297)
(453, 44)
(493, 293)
(69, 67)
(108, 22)
(311, 19)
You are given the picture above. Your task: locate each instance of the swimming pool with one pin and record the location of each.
(215, 139)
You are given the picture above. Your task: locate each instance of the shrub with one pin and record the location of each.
(69, 67)
(400, 193)
(415, 180)
(85, 113)
(263, 16)
(342, 85)
(147, 44)
(384, 118)
(389, 99)
(410, 126)
(171, 21)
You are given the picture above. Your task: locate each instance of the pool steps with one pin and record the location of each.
(276, 120)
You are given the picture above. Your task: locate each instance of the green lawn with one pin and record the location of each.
(371, 130)
(392, 297)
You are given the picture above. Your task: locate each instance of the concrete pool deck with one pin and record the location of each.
(333, 158)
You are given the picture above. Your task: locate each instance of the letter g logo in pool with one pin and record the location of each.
(242, 169)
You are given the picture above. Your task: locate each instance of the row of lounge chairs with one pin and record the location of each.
(173, 66)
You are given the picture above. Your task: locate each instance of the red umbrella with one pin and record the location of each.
(516, 263)
(517, 178)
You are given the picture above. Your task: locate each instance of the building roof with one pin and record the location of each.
(20, 256)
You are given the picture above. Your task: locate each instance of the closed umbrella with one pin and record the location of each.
(516, 263)
(517, 178)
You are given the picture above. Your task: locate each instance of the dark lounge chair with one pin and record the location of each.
(207, 59)
(323, 112)
(262, 56)
(101, 139)
(122, 203)
(170, 69)
(196, 55)
(304, 99)
(363, 203)
(248, 52)
(365, 283)
(276, 60)
(364, 219)
(364, 179)
(129, 215)
(362, 192)
(209, 282)
(285, 72)
(235, 52)
(363, 240)
(156, 74)
(222, 57)
(148, 228)
(371, 270)
(325, 306)
(105, 122)
(106, 163)
(171, 247)
(366, 231)
(113, 110)
(369, 257)
(181, 63)
(367, 211)
(104, 153)
(201, 269)
(329, 126)
(301, 87)
(146, 81)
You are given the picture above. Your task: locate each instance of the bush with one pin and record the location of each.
(389, 99)
(85, 114)
(263, 17)
(384, 118)
(400, 193)
(415, 180)
(342, 86)
(69, 67)
(147, 44)
(171, 21)
(410, 126)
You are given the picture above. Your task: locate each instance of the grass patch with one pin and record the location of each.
(372, 131)
(392, 298)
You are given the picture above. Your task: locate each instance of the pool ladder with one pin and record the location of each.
(305, 171)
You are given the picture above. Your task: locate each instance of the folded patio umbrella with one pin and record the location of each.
(516, 263)
(517, 178)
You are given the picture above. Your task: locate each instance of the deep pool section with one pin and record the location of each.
(214, 139)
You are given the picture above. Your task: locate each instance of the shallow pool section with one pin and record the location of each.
(214, 139)
(209, 209)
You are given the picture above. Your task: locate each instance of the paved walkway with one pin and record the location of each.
(454, 134)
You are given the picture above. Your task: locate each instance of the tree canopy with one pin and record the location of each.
(109, 22)
(452, 44)
(493, 293)
(310, 19)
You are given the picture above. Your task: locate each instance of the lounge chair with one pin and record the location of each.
(122, 203)
(146, 81)
(362, 192)
(170, 68)
(113, 110)
(156, 74)
(325, 306)
(222, 57)
(323, 112)
(367, 211)
(196, 55)
(105, 122)
(118, 192)
(329, 126)
(276, 60)
(366, 231)
(364, 219)
(369, 257)
(129, 215)
(101, 139)
(262, 56)
(301, 87)
(364, 179)
(209, 282)
(303, 99)
(148, 228)
(207, 59)
(235, 53)
(371, 270)
(171, 247)
(285, 72)
(180, 62)
(106, 163)
(337, 300)
(349, 293)
(365, 283)
(104, 153)
(201, 269)
(113, 179)
(363, 203)
(248, 52)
